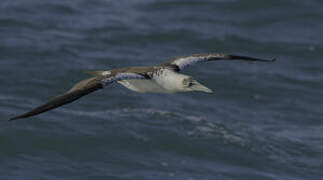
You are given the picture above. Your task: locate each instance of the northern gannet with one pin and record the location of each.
(162, 78)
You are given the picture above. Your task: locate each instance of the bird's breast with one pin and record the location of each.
(143, 86)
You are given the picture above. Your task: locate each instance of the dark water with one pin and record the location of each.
(263, 122)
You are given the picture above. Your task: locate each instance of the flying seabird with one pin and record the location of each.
(162, 78)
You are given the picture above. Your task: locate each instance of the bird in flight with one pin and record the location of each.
(162, 78)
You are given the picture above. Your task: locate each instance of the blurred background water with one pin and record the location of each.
(263, 122)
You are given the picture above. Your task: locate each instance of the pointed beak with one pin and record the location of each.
(200, 87)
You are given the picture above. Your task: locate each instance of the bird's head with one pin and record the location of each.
(190, 84)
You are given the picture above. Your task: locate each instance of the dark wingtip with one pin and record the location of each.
(247, 58)
(14, 118)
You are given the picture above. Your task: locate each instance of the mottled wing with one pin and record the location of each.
(182, 62)
(79, 90)
(123, 76)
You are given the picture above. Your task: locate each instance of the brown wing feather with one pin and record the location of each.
(182, 62)
(80, 89)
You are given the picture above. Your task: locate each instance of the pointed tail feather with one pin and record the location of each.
(98, 73)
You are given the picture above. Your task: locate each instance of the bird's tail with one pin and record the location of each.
(98, 73)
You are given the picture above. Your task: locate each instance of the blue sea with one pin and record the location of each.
(263, 121)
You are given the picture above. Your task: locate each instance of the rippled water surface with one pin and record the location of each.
(263, 121)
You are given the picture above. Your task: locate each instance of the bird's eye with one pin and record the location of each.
(190, 84)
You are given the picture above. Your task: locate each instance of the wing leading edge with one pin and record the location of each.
(79, 90)
(185, 61)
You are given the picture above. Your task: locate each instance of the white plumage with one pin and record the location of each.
(164, 81)
(164, 78)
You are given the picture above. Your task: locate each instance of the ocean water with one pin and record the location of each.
(263, 121)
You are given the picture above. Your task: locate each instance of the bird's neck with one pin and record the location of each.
(171, 81)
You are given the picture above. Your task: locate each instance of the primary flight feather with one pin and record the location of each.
(162, 78)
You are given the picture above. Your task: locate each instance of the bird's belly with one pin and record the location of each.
(143, 86)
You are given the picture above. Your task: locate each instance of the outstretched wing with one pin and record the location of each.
(182, 62)
(80, 89)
